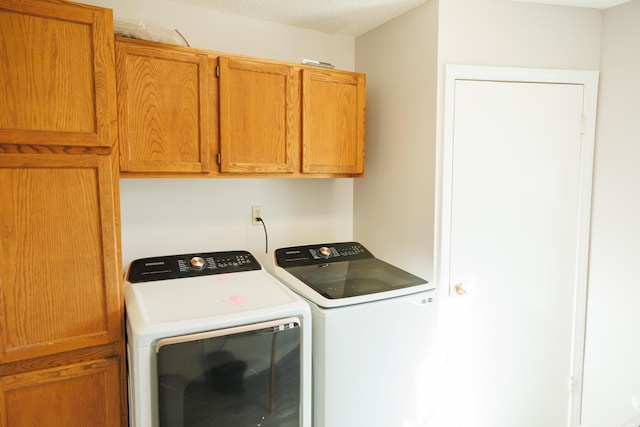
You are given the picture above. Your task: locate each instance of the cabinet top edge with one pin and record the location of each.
(213, 53)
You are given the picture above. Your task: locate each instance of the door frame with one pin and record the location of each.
(444, 170)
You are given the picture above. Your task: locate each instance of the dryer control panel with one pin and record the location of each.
(191, 265)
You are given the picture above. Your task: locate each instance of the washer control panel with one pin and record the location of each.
(321, 254)
(191, 265)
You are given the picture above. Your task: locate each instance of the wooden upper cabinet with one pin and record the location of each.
(56, 74)
(200, 113)
(259, 116)
(333, 122)
(59, 262)
(166, 107)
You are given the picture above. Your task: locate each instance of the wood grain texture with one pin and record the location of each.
(58, 262)
(257, 109)
(164, 109)
(56, 74)
(61, 306)
(82, 394)
(333, 122)
(259, 124)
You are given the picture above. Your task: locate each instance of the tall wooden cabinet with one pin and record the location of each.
(61, 305)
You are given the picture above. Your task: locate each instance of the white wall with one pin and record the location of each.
(169, 216)
(612, 365)
(394, 201)
(510, 34)
(207, 29)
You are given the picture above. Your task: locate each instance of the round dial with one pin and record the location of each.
(197, 263)
(324, 252)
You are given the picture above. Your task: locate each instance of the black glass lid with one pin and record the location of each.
(342, 270)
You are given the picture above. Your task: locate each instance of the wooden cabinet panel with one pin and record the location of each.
(59, 268)
(56, 74)
(333, 122)
(61, 307)
(84, 394)
(166, 105)
(259, 116)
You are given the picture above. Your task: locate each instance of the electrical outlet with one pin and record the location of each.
(256, 212)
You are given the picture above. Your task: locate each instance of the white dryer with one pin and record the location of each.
(213, 340)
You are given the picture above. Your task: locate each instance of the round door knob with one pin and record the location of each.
(197, 263)
(324, 252)
(463, 288)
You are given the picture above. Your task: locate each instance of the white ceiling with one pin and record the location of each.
(344, 17)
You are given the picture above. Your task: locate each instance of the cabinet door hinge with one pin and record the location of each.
(218, 158)
(217, 71)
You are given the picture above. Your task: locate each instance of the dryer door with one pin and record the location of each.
(248, 375)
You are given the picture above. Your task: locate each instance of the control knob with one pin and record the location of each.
(197, 263)
(324, 252)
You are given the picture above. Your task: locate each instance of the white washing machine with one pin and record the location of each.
(213, 340)
(374, 326)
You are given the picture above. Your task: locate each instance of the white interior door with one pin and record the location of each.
(515, 209)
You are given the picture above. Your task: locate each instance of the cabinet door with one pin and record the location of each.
(333, 121)
(56, 74)
(259, 116)
(83, 394)
(59, 268)
(165, 98)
